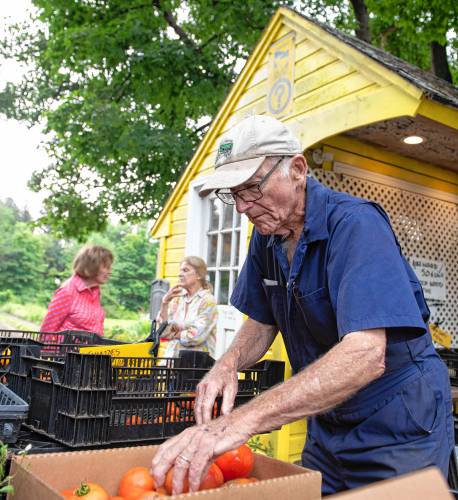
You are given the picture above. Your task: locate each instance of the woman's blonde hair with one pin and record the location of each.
(200, 267)
(89, 259)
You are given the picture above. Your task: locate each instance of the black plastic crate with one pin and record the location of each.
(89, 400)
(44, 387)
(79, 386)
(84, 402)
(13, 412)
(89, 371)
(81, 431)
(450, 358)
(56, 343)
(25, 357)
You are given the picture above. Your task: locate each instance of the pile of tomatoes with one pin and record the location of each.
(230, 468)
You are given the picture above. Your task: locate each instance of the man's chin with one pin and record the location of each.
(264, 229)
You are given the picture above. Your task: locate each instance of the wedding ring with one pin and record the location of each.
(184, 458)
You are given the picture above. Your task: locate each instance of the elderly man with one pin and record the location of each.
(326, 269)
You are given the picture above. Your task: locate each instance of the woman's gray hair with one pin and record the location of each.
(200, 267)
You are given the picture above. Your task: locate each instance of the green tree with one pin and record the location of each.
(422, 32)
(133, 269)
(21, 256)
(126, 89)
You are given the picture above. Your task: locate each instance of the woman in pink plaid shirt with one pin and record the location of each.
(76, 303)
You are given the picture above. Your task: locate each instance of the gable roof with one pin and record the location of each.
(434, 87)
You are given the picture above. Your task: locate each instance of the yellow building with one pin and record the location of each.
(355, 108)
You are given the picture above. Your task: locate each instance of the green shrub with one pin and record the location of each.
(28, 312)
(127, 330)
(7, 296)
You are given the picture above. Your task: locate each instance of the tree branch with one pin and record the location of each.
(172, 23)
(439, 61)
(362, 16)
(385, 34)
(203, 127)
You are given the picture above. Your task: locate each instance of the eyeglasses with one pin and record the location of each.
(252, 193)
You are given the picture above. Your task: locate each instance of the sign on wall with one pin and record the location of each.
(431, 274)
(281, 76)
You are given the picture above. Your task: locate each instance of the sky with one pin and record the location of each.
(19, 145)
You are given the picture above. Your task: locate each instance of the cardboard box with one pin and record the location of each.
(42, 476)
(426, 484)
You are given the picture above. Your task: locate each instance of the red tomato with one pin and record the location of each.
(241, 480)
(87, 491)
(213, 479)
(134, 420)
(68, 494)
(169, 479)
(236, 463)
(134, 482)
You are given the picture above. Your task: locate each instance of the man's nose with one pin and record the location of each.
(242, 206)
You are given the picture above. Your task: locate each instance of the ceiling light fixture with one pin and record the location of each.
(413, 139)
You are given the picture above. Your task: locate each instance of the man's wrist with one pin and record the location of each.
(229, 361)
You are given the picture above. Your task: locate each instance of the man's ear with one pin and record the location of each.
(298, 167)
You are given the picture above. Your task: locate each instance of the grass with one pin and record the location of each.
(127, 330)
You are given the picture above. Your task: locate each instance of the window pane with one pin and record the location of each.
(214, 214)
(226, 253)
(223, 296)
(211, 279)
(227, 216)
(237, 219)
(212, 248)
(235, 275)
(236, 248)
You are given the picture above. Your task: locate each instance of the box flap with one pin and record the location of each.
(427, 484)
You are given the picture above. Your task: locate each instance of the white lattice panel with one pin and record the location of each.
(426, 227)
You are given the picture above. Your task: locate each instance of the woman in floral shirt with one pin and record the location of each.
(190, 309)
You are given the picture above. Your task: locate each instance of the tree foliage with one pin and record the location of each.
(126, 89)
(33, 265)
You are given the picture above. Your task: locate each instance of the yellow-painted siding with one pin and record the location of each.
(336, 89)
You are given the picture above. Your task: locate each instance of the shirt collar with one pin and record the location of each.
(80, 284)
(316, 211)
(316, 214)
(200, 293)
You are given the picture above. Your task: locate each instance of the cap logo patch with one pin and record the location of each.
(224, 150)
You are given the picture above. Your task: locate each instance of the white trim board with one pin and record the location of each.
(345, 169)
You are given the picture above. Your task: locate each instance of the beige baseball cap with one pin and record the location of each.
(243, 149)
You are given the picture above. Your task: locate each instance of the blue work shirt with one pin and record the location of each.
(347, 274)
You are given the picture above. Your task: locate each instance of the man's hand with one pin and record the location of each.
(220, 380)
(193, 451)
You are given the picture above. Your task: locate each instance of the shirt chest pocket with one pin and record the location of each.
(276, 297)
(319, 316)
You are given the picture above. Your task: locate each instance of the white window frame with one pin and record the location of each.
(198, 222)
(229, 319)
